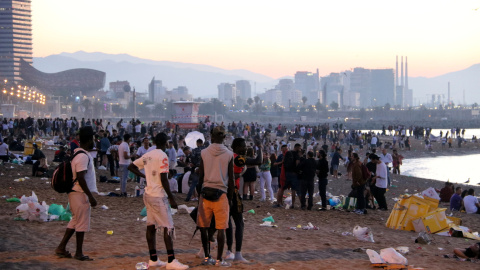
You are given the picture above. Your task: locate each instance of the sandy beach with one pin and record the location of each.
(31, 245)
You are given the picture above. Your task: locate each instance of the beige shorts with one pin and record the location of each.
(206, 209)
(159, 212)
(80, 208)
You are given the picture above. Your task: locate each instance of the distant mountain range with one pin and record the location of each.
(467, 80)
(202, 80)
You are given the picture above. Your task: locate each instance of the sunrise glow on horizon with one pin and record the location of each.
(274, 38)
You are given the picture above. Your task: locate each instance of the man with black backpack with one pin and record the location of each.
(80, 198)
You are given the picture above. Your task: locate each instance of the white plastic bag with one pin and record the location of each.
(431, 193)
(390, 255)
(32, 198)
(363, 234)
(374, 256)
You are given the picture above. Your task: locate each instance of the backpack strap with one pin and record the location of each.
(74, 155)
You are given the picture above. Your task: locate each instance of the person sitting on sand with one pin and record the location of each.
(472, 252)
(446, 192)
(470, 203)
(456, 200)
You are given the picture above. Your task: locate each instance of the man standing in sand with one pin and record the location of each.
(386, 158)
(380, 179)
(156, 198)
(80, 198)
(124, 160)
(215, 181)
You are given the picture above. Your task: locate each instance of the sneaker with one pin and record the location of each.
(175, 264)
(209, 261)
(229, 255)
(223, 263)
(156, 263)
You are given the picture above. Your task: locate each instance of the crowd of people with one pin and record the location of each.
(220, 172)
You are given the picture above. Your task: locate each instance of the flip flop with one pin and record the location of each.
(64, 254)
(83, 258)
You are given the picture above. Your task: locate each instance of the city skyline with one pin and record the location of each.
(274, 38)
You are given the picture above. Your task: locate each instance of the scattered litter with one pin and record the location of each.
(402, 250)
(117, 189)
(310, 227)
(43, 178)
(390, 255)
(102, 168)
(270, 219)
(251, 211)
(143, 213)
(13, 200)
(268, 224)
(144, 219)
(104, 207)
(363, 234)
(109, 232)
(347, 233)
(268, 214)
(423, 238)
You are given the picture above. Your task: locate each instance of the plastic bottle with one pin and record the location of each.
(137, 191)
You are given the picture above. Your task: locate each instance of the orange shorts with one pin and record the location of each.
(220, 208)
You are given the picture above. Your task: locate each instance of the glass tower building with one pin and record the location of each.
(15, 38)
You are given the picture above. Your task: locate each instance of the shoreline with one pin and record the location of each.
(31, 244)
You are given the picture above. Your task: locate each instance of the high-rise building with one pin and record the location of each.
(308, 83)
(15, 38)
(227, 93)
(156, 91)
(285, 86)
(383, 87)
(360, 82)
(244, 89)
(273, 96)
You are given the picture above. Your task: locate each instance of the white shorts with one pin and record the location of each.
(159, 212)
(80, 208)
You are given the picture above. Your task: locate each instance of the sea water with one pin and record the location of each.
(456, 169)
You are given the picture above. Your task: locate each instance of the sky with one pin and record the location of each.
(272, 37)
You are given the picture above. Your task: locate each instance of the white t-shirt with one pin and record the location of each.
(81, 163)
(155, 163)
(142, 151)
(138, 128)
(3, 149)
(469, 202)
(381, 172)
(173, 184)
(374, 140)
(110, 129)
(122, 148)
